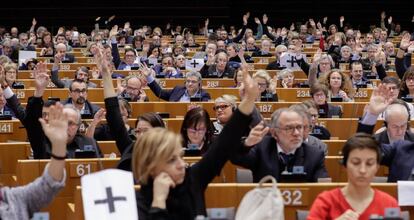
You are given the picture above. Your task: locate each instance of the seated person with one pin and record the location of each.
(78, 97)
(197, 130)
(264, 50)
(35, 109)
(131, 89)
(321, 65)
(398, 155)
(286, 78)
(275, 65)
(129, 61)
(191, 90)
(180, 62)
(250, 45)
(319, 93)
(316, 130)
(224, 107)
(217, 67)
(5, 110)
(60, 49)
(307, 128)
(357, 76)
(286, 142)
(339, 85)
(357, 199)
(267, 92)
(394, 85)
(236, 55)
(397, 125)
(82, 73)
(167, 69)
(10, 74)
(23, 201)
(407, 85)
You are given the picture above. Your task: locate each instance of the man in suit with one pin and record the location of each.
(191, 90)
(398, 156)
(397, 127)
(282, 151)
(78, 97)
(61, 51)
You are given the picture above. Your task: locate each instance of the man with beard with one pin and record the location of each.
(282, 151)
(78, 94)
(36, 109)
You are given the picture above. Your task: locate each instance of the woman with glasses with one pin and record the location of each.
(286, 79)
(407, 84)
(224, 107)
(267, 90)
(197, 130)
(316, 130)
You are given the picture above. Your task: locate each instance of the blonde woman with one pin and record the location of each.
(267, 91)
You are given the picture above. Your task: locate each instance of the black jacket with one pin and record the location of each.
(186, 200)
(263, 160)
(40, 144)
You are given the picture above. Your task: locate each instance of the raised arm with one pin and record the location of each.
(55, 71)
(113, 114)
(229, 139)
(241, 34)
(41, 191)
(266, 31)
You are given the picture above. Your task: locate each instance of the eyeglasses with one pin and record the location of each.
(291, 129)
(191, 81)
(220, 107)
(262, 85)
(201, 131)
(80, 91)
(314, 115)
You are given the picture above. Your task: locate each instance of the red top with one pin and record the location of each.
(332, 204)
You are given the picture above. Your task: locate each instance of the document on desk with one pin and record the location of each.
(405, 193)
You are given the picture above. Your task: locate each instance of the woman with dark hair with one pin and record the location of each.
(407, 84)
(357, 199)
(197, 130)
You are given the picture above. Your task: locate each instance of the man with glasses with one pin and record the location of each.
(78, 94)
(283, 151)
(167, 68)
(357, 75)
(36, 109)
(191, 91)
(132, 91)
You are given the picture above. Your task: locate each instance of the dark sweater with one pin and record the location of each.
(186, 200)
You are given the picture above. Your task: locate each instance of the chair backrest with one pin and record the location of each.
(244, 175)
(302, 214)
(221, 213)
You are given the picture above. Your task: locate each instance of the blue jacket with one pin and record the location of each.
(174, 94)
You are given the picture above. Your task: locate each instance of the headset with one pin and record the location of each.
(398, 102)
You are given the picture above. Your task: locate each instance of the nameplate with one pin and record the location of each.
(303, 93)
(78, 169)
(6, 127)
(265, 108)
(20, 94)
(213, 84)
(295, 196)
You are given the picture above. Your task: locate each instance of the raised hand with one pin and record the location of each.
(256, 20)
(383, 15)
(102, 63)
(312, 22)
(256, 134)
(245, 18)
(265, 19)
(390, 20)
(325, 19)
(145, 70)
(283, 32)
(114, 31)
(292, 27)
(56, 127)
(341, 19)
(34, 22)
(41, 77)
(380, 99)
(127, 25)
(99, 116)
(251, 89)
(206, 22)
(405, 42)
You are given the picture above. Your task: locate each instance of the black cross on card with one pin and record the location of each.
(110, 200)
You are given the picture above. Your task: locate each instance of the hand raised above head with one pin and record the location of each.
(40, 75)
(250, 87)
(380, 99)
(57, 125)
